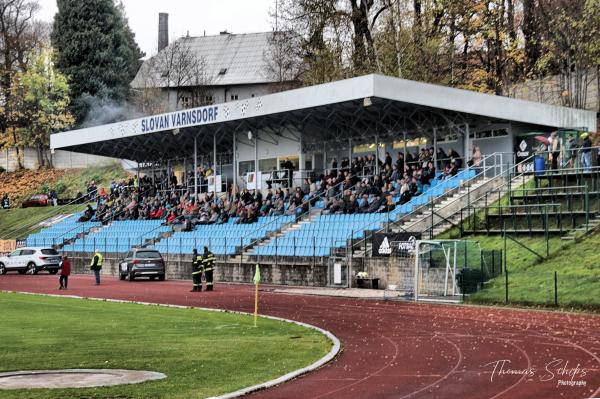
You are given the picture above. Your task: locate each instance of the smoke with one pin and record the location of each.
(101, 111)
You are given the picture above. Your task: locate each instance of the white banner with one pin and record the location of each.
(215, 180)
(253, 182)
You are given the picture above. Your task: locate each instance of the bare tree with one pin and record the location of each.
(283, 60)
(176, 68)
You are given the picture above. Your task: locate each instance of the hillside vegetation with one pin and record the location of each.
(18, 222)
(531, 280)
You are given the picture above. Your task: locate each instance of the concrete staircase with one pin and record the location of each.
(447, 212)
(304, 219)
(583, 230)
(447, 207)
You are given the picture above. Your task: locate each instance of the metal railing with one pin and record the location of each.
(309, 201)
(494, 168)
(25, 228)
(68, 234)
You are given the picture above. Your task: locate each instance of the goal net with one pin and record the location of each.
(441, 266)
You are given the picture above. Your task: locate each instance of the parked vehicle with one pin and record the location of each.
(36, 200)
(142, 262)
(31, 260)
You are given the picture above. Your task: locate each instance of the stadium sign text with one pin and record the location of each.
(180, 119)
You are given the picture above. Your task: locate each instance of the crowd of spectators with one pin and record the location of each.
(359, 186)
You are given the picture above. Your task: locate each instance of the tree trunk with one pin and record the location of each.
(531, 33)
(40, 155)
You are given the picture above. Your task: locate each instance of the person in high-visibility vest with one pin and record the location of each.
(196, 271)
(208, 263)
(96, 265)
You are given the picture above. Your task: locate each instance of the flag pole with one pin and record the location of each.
(256, 282)
(255, 303)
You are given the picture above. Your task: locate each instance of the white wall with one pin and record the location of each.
(60, 159)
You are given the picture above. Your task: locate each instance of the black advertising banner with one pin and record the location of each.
(386, 244)
(525, 147)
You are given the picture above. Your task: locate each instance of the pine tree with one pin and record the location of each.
(96, 50)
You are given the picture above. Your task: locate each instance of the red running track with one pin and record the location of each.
(396, 349)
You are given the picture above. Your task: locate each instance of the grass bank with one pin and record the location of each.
(531, 280)
(202, 353)
(19, 222)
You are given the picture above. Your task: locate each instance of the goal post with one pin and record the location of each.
(439, 268)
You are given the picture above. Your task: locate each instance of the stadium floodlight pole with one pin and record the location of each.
(196, 168)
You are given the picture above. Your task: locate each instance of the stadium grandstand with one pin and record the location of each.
(303, 180)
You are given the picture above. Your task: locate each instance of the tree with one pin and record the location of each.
(96, 51)
(19, 35)
(44, 109)
(570, 46)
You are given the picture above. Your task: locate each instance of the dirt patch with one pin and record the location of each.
(74, 378)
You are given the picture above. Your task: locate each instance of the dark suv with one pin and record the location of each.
(142, 262)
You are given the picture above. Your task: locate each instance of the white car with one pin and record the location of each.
(31, 260)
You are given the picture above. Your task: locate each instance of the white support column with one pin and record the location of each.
(435, 165)
(215, 165)
(467, 138)
(301, 162)
(404, 138)
(258, 183)
(349, 152)
(376, 154)
(235, 166)
(196, 169)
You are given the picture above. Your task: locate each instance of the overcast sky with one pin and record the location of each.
(195, 16)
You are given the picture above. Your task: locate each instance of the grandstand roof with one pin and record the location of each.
(358, 108)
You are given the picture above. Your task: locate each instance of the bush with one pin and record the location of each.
(61, 187)
(2, 170)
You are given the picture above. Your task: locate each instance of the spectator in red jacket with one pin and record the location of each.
(65, 271)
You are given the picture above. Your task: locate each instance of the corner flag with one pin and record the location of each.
(257, 274)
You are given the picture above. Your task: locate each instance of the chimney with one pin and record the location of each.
(163, 30)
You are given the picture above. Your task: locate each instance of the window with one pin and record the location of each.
(15, 253)
(266, 165)
(366, 148)
(27, 252)
(246, 167)
(49, 252)
(148, 255)
(208, 99)
(234, 97)
(409, 143)
(223, 71)
(294, 159)
(488, 134)
(185, 102)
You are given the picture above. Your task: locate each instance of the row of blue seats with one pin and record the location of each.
(335, 230)
(187, 249)
(292, 251)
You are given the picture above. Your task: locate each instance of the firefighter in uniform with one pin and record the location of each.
(208, 263)
(196, 271)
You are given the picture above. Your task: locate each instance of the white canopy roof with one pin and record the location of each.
(395, 104)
